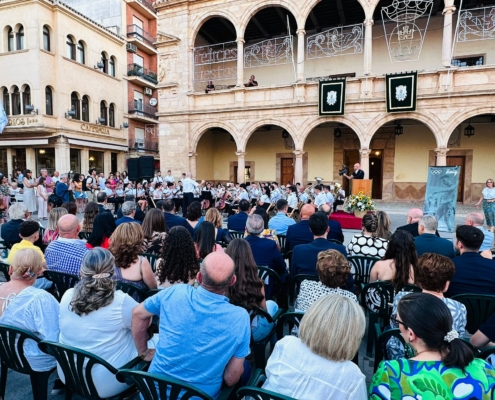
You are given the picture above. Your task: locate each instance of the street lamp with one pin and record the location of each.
(399, 129)
(469, 130)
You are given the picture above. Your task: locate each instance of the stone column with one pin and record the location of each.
(447, 36)
(191, 69)
(10, 165)
(192, 164)
(240, 62)
(62, 155)
(298, 167)
(31, 161)
(441, 156)
(84, 154)
(107, 162)
(365, 162)
(300, 54)
(368, 46)
(241, 166)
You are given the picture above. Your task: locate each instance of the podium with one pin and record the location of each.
(361, 185)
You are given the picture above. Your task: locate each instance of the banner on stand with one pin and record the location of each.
(331, 99)
(401, 92)
(441, 196)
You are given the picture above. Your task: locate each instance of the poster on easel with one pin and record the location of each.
(441, 196)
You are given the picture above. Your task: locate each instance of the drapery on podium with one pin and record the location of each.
(361, 185)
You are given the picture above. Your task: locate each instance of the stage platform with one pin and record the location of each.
(347, 221)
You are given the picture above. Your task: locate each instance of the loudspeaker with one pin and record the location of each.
(133, 166)
(146, 167)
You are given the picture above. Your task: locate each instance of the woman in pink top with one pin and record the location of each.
(205, 240)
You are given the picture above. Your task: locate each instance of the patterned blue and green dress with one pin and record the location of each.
(431, 380)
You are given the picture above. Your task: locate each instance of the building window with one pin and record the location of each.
(16, 101)
(96, 160)
(103, 113)
(71, 48)
(26, 99)
(85, 108)
(46, 38)
(6, 101)
(10, 43)
(80, 53)
(45, 159)
(20, 38)
(468, 61)
(111, 115)
(104, 60)
(138, 101)
(111, 69)
(138, 60)
(75, 105)
(75, 159)
(48, 101)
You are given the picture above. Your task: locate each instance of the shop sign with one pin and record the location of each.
(95, 129)
(22, 121)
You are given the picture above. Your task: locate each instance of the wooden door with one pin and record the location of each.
(458, 161)
(286, 171)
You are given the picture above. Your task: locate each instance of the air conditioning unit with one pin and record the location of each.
(131, 48)
(148, 91)
(139, 144)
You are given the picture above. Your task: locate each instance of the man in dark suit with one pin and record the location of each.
(305, 256)
(265, 251)
(413, 217)
(473, 273)
(237, 222)
(357, 174)
(101, 199)
(128, 212)
(18, 213)
(139, 213)
(335, 232)
(300, 232)
(428, 242)
(171, 219)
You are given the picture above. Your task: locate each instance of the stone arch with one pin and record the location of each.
(202, 129)
(310, 5)
(355, 125)
(432, 122)
(459, 118)
(288, 126)
(260, 5)
(201, 19)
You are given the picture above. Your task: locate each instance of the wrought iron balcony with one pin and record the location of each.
(145, 73)
(147, 4)
(136, 32)
(137, 108)
(146, 145)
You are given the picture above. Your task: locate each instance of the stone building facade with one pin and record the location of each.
(239, 133)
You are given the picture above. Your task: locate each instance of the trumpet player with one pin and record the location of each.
(320, 196)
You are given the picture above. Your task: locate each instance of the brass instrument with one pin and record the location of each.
(336, 187)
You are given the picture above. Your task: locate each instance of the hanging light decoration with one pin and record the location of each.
(469, 130)
(285, 134)
(337, 132)
(399, 129)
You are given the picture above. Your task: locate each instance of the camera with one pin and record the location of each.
(344, 170)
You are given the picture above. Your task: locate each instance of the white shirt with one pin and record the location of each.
(294, 370)
(321, 199)
(101, 182)
(157, 179)
(292, 200)
(189, 185)
(243, 195)
(329, 197)
(254, 193)
(303, 197)
(488, 194)
(55, 179)
(158, 194)
(265, 199)
(168, 178)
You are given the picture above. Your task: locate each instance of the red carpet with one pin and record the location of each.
(347, 221)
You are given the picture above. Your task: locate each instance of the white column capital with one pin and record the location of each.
(442, 151)
(192, 154)
(240, 40)
(365, 153)
(299, 153)
(369, 22)
(449, 10)
(240, 154)
(300, 32)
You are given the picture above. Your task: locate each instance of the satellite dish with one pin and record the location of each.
(153, 102)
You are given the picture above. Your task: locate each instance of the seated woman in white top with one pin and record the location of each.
(318, 365)
(26, 307)
(96, 318)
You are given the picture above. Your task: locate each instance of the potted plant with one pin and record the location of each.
(359, 204)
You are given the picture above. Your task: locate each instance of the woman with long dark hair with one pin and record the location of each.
(205, 240)
(248, 290)
(265, 199)
(103, 228)
(194, 215)
(443, 367)
(178, 262)
(90, 213)
(399, 263)
(367, 243)
(154, 230)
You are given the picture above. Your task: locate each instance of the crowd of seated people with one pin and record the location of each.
(212, 300)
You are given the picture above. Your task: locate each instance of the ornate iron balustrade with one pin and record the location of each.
(339, 41)
(145, 73)
(269, 52)
(477, 24)
(147, 4)
(215, 62)
(139, 33)
(144, 110)
(147, 145)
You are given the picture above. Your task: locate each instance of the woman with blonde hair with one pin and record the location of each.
(26, 307)
(95, 317)
(51, 232)
(317, 364)
(126, 245)
(214, 216)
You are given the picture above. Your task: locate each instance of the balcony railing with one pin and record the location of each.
(146, 145)
(145, 73)
(136, 32)
(148, 5)
(143, 110)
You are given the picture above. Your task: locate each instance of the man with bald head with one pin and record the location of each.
(203, 338)
(66, 253)
(357, 174)
(299, 233)
(478, 221)
(413, 217)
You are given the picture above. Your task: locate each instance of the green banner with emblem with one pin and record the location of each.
(402, 92)
(331, 99)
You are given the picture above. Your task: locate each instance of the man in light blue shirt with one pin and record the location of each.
(203, 338)
(281, 221)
